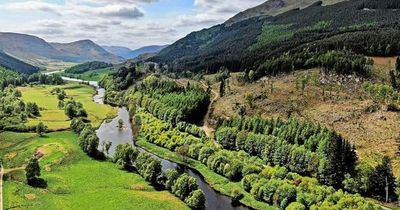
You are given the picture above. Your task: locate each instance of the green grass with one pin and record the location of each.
(94, 75)
(217, 182)
(75, 181)
(55, 118)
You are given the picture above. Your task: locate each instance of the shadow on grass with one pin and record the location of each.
(38, 183)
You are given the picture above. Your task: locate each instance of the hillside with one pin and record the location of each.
(36, 51)
(16, 65)
(86, 50)
(28, 48)
(274, 7)
(363, 26)
(130, 54)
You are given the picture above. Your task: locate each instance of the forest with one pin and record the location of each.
(274, 185)
(85, 67)
(348, 25)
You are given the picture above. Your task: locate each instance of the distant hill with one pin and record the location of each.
(130, 54)
(89, 66)
(36, 51)
(369, 27)
(86, 50)
(16, 65)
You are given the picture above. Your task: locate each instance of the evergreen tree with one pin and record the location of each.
(32, 171)
(383, 182)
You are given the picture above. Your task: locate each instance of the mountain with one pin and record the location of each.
(36, 51)
(28, 48)
(368, 27)
(86, 50)
(118, 50)
(14, 64)
(130, 54)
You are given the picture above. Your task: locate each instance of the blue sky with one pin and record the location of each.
(131, 23)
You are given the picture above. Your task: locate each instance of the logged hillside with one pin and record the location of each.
(16, 65)
(369, 27)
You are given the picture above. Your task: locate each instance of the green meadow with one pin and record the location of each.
(55, 118)
(75, 181)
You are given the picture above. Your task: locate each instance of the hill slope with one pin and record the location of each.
(274, 7)
(86, 50)
(26, 47)
(16, 65)
(364, 26)
(36, 51)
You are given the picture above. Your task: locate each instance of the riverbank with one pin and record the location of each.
(76, 181)
(217, 182)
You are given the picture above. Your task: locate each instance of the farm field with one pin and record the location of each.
(55, 118)
(74, 180)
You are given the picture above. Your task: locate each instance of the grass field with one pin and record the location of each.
(55, 118)
(217, 182)
(75, 181)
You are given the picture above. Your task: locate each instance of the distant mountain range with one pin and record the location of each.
(130, 54)
(14, 64)
(38, 52)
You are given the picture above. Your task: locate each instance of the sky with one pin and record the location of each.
(129, 23)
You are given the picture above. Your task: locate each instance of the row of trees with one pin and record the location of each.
(191, 129)
(183, 186)
(306, 144)
(235, 165)
(340, 62)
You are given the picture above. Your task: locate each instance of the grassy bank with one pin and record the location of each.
(55, 118)
(75, 181)
(217, 182)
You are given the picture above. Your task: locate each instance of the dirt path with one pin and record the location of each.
(206, 127)
(1, 187)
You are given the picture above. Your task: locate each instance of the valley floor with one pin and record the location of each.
(75, 181)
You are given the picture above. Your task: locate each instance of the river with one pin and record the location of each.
(109, 131)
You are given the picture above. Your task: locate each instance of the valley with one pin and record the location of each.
(285, 104)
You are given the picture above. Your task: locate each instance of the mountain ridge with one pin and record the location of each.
(37, 51)
(128, 53)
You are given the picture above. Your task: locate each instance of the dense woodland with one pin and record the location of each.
(170, 102)
(359, 26)
(89, 66)
(274, 185)
(303, 148)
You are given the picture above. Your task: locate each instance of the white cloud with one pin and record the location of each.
(116, 22)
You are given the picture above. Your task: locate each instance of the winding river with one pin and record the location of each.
(109, 131)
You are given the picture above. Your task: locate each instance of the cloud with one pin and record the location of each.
(115, 22)
(121, 11)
